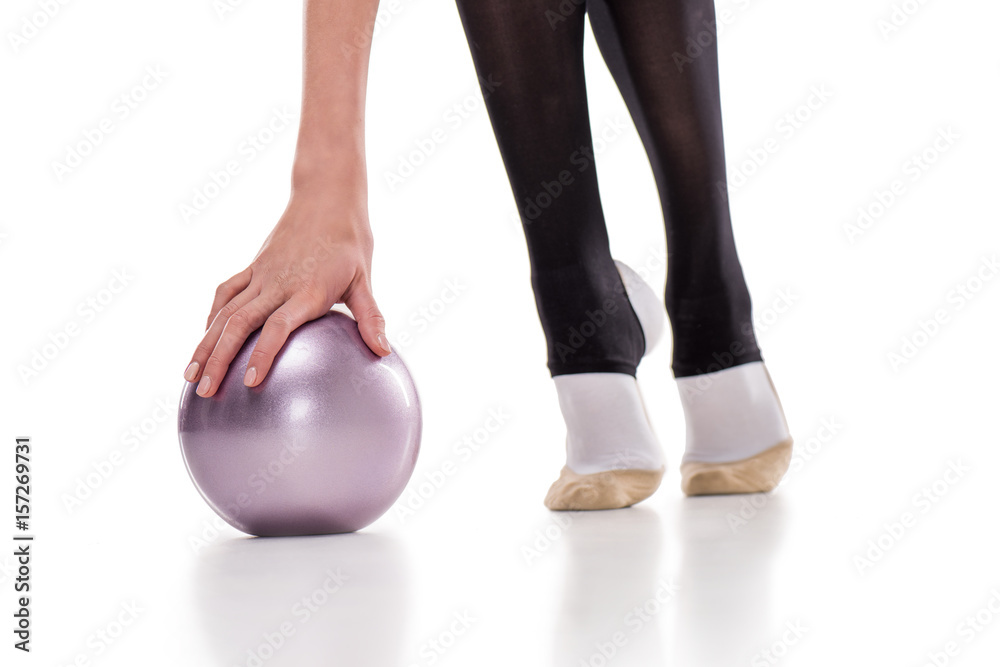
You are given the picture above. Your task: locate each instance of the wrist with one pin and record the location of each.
(325, 201)
(328, 160)
(333, 175)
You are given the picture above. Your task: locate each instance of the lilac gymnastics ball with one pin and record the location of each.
(325, 444)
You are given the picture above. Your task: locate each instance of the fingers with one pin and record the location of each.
(196, 367)
(226, 291)
(242, 306)
(295, 312)
(371, 324)
(237, 329)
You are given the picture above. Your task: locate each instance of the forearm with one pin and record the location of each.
(330, 153)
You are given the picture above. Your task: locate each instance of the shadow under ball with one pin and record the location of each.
(325, 444)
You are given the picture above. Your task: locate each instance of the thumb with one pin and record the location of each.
(371, 324)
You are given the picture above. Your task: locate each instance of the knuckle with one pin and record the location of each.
(308, 288)
(284, 279)
(228, 311)
(375, 316)
(314, 298)
(281, 320)
(261, 353)
(239, 322)
(214, 362)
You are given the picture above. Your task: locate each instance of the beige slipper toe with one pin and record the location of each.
(755, 474)
(611, 489)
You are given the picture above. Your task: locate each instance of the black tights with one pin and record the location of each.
(529, 57)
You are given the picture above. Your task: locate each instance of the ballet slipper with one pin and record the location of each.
(609, 489)
(755, 474)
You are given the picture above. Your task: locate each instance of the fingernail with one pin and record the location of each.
(251, 375)
(204, 385)
(191, 372)
(384, 343)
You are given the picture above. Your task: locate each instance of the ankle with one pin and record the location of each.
(607, 426)
(731, 414)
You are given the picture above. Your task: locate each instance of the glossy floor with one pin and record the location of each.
(862, 555)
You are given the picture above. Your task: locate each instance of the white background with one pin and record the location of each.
(870, 434)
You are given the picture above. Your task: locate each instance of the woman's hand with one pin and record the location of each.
(318, 254)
